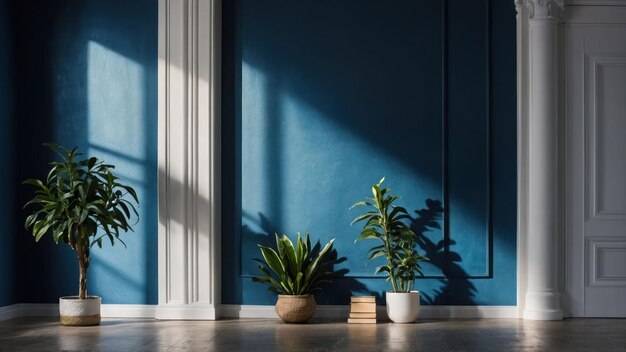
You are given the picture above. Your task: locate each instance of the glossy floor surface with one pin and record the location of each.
(45, 334)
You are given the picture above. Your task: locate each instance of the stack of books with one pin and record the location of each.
(362, 310)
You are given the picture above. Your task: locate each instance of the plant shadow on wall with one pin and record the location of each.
(456, 286)
(342, 285)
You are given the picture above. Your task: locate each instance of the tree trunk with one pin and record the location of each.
(82, 252)
(82, 281)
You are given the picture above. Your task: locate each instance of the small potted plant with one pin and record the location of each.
(295, 273)
(76, 200)
(384, 224)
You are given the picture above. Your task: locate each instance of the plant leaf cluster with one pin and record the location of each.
(295, 269)
(384, 222)
(77, 198)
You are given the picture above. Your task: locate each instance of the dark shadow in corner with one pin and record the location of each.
(456, 289)
(342, 286)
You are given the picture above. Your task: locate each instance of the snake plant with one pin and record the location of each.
(295, 269)
(384, 223)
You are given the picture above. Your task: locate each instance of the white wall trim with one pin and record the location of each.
(342, 312)
(128, 311)
(257, 311)
(189, 159)
(539, 165)
(522, 149)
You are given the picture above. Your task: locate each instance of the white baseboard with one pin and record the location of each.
(52, 310)
(340, 312)
(469, 312)
(249, 311)
(128, 311)
(186, 312)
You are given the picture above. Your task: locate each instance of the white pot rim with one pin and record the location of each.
(78, 298)
(403, 307)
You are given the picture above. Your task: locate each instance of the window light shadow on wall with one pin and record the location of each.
(116, 133)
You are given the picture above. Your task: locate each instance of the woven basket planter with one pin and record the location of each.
(296, 308)
(80, 312)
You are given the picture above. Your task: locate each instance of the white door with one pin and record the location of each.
(595, 130)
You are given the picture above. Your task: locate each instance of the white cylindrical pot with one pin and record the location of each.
(80, 312)
(403, 307)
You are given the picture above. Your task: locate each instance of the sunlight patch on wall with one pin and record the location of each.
(116, 134)
(115, 102)
(257, 134)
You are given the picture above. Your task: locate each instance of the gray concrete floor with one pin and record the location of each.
(45, 334)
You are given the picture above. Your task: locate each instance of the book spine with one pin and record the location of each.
(361, 321)
(363, 300)
(363, 308)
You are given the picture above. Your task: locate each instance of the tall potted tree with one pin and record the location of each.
(81, 203)
(397, 244)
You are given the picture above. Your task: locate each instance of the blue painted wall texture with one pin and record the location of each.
(323, 98)
(88, 78)
(7, 234)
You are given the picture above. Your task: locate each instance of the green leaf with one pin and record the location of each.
(34, 182)
(382, 268)
(363, 217)
(298, 283)
(359, 204)
(125, 209)
(369, 234)
(396, 211)
(376, 254)
(30, 220)
(41, 231)
(91, 162)
(273, 261)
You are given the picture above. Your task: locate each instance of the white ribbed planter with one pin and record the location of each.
(80, 312)
(403, 307)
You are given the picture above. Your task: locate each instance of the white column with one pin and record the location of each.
(540, 242)
(189, 159)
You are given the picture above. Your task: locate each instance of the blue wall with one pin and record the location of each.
(322, 98)
(88, 78)
(7, 234)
